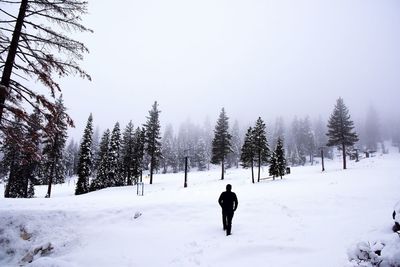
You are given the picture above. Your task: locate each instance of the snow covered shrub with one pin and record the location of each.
(382, 254)
(366, 254)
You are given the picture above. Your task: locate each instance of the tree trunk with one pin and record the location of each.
(7, 71)
(252, 171)
(259, 166)
(223, 169)
(50, 181)
(344, 156)
(151, 170)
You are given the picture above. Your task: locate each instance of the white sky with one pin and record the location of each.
(255, 58)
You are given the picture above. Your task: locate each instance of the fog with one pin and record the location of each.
(255, 58)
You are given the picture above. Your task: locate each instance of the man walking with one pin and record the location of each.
(229, 203)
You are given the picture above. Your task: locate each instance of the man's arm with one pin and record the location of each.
(220, 201)
(236, 202)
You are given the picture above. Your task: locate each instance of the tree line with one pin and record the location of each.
(119, 157)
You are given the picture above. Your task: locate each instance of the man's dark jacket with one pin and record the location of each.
(228, 201)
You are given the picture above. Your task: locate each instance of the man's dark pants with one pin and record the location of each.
(227, 220)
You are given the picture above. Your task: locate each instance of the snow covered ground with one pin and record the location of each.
(308, 219)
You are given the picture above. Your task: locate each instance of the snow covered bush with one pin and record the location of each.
(382, 254)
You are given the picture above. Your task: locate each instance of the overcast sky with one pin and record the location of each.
(255, 58)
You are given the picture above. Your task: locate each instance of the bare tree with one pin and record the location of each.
(34, 45)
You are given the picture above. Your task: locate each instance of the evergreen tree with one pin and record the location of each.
(208, 137)
(221, 144)
(248, 152)
(273, 166)
(69, 158)
(95, 149)
(152, 139)
(85, 159)
(101, 180)
(54, 168)
(340, 129)
(234, 156)
(21, 156)
(31, 154)
(296, 150)
(167, 148)
(260, 144)
(321, 139)
(139, 140)
(175, 156)
(12, 151)
(280, 159)
(279, 130)
(201, 155)
(127, 153)
(114, 157)
(307, 139)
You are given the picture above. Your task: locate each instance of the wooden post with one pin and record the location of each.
(322, 159)
(186, 169)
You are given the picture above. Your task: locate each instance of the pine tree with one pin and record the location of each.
(296, 150)
(114, 157)
(31, 154)
(12, 151)
(201, 155)
(279, 154)
(248, 152)
(175, 156)
(101, 180)
(208, 137)
(139, 140)
(234, 156)
(340, 129)
(21, 155)
(167, 148)
(273, 166)
(127, 153)
(152, 139)
(54, 168)
(95, 149)
(85, 159)
(320, 137)
(260, 144)
(307, 138)
(221, 144)
(69, 158)
(279, 130)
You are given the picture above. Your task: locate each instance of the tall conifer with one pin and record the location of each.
(248, 153)
(221, 144)
(85, 159)
(101, 180)
(54, 167)
(260, 144)
(341, 129)
(153, 139)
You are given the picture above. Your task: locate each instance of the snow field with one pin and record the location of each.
(308, 218)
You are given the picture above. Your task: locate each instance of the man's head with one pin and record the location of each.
(228, 188)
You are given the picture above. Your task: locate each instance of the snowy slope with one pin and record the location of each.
(307, 219)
